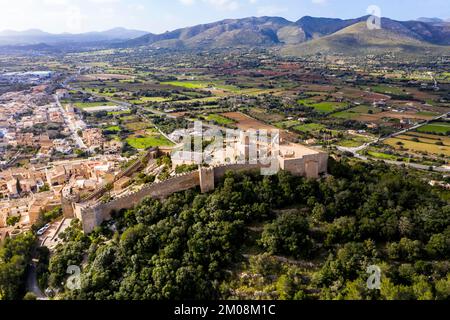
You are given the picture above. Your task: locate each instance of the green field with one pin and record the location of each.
(149, 99)
(148, 142)
(107, 93)
(136, 126)
(199, 100)
(354, 112)
(436, 128)
(112, 128)
(118, 113)
(420, 146)
(310, 127)
(187, 84)
(353, 142)
(345, 115)
(323, 107)
(286, 124)
(219, 119)
(84, 105)
(388, 90)
(365, 109)
(380, 155)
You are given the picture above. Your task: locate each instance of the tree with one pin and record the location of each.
(30, 296)
(341, 230)
(288, 234)
(439, 245)
(406, 250)
(442, 288)
(13, 220)
(14, 259)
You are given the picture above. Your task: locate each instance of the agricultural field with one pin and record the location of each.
(323, 107)
(136, 126)
(352, 141)
(265, 115)
(441, 128)
(187, 84)
(420, 146)
(381, 116)
(119, 113)
(101, 108)
(245, 122)
(220, 120)
(113, 129)
(149, 141)
(87, 105)
(355, 112)
(383, 156)
(261, 97)
(202, 85)
(144, 100)
(389, 90)
(104, 77)
(287, 124)
(308, 128)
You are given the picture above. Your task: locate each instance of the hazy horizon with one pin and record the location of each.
(136, 29)
(80, 16)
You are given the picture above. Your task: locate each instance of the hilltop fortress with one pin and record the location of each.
(294, 158)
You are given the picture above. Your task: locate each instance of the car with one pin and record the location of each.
(43, 230)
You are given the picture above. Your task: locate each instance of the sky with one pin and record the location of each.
(157, 16)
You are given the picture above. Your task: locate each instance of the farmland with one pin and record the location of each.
(421, 146)
(309, 127)
(118, 174)
(323, 107)
(145, 142)
(221, 120)
(268, 95)
(245, 122)
(441, 128)
(87, 105)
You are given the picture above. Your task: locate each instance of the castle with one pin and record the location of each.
(294, 158)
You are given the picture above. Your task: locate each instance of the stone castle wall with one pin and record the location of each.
(92, 217)
(205, 178)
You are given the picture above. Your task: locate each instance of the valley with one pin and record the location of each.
(113, 161)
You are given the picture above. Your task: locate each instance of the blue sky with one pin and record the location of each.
(161, 15)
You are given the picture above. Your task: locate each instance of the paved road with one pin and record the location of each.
(71, 125)
(445, 115)
(32, 283)
(355, 151)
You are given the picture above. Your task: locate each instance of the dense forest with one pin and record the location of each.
(15, 256)
(260, 237)
(278, 237)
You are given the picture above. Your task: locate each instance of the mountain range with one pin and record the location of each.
(35, 36)
(309, 35)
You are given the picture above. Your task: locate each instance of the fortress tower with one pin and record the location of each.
(207, 183)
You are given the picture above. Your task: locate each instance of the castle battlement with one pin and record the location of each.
(93, 214)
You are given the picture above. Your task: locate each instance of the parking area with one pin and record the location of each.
(50, 238)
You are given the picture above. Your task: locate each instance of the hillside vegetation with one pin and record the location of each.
(279, 237)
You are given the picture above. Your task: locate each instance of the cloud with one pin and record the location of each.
(320, 2)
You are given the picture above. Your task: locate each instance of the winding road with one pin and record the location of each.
(32, 283)
(356, 151)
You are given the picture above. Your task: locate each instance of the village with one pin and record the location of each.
(41, 143)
